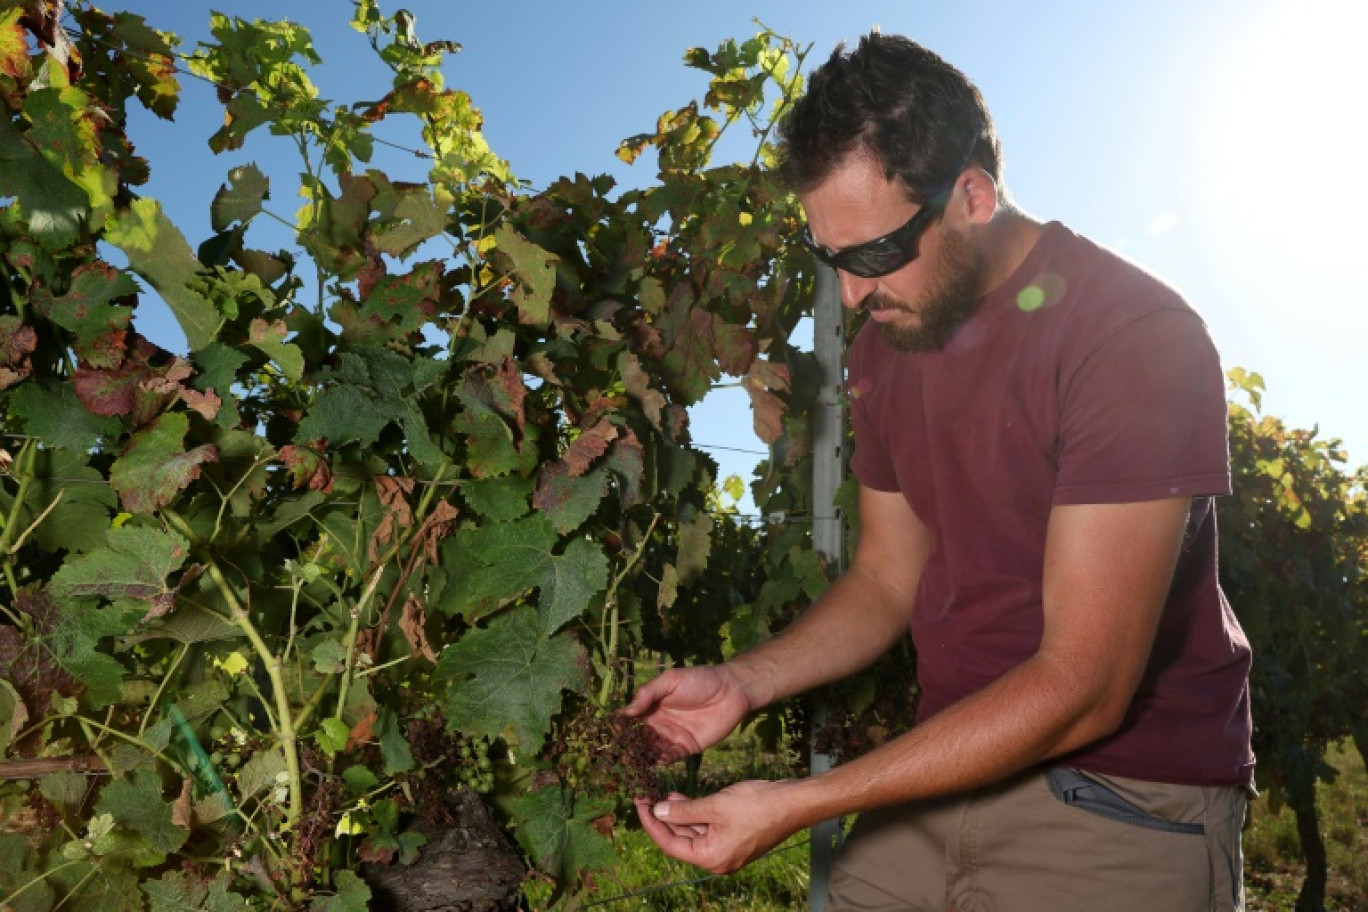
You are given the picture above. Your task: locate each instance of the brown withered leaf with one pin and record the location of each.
(206, 404)
(394, 494)
(436, 527)
(17, 342)
(361, 732)
(183, 809)
(769, 409)
(411, 621)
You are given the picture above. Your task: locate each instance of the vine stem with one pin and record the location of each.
(353, 629)
(24, 463)
(610, 651)
(284, 719)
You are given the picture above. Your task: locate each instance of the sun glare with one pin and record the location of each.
(1285, 131)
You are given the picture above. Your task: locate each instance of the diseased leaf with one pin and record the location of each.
(88, 309)
(589, 446)
(157, 251)
(509, 675)
(627, 462)
(155, 467)
(133, 567)
(17, 342)
(568, 501)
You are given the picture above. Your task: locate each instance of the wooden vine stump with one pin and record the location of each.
(470, 866)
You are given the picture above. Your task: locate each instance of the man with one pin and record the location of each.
(1039, 433)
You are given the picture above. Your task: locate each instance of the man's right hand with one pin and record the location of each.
(690, 709)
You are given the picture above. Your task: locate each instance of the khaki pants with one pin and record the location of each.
(1092, 844)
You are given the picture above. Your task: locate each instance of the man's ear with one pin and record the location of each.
(976, 196)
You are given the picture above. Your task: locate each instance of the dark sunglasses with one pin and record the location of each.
(896, 249)
(884, 254)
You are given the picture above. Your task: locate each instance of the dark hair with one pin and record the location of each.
(892, 97)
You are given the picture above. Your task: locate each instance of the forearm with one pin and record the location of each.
(854, 622)
(979, 740)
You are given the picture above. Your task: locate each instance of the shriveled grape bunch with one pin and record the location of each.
(608, 755)
(450, 756)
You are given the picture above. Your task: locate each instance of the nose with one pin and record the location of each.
(854, 289)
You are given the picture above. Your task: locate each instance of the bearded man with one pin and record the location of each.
(1040, 432)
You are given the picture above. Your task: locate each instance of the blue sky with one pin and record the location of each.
(1213, 141)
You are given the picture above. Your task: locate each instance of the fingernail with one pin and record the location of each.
(661, 810)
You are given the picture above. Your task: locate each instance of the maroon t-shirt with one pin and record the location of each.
(1081, 379)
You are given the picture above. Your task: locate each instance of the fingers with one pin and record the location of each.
(664, 811)
(674, 841)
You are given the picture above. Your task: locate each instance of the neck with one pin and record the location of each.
(1006, 240)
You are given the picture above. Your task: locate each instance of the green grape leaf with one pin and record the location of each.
(176, 891)
(509, 675)
(352, 895)
(332, 736)
(101, 888)
(156, 467)
(54, 415)
(535, 269)
(13, 715)
(242, 201)
(79, 630)
(136, 802)
(569, 581)
(343, 414)
(695, 544)
(269, 338)
(55, 208)
(418, 216)
(260, 772)
(558, 835)
(218, 366)
(500, 499)
(494, 564)
(158, 252)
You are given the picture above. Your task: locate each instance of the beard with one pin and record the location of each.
(952, 297)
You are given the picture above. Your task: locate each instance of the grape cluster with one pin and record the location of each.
(476, 770)
(450, 757)
(606, 755)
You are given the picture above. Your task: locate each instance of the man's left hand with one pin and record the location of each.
(725, 831)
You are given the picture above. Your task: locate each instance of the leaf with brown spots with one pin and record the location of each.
(589, 446)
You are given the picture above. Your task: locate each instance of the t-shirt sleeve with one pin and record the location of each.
(1143, 415)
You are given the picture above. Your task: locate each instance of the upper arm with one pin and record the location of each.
(894, 543)
(1108, 570)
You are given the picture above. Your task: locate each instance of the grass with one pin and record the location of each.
(1273, 867)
